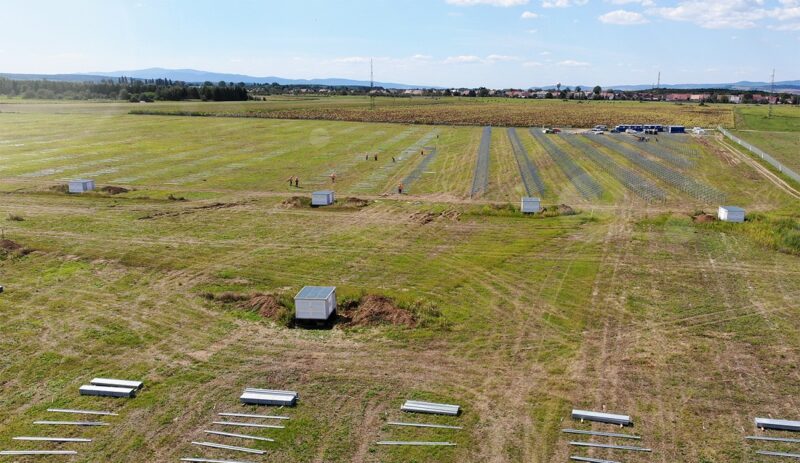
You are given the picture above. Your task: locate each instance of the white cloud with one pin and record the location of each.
(352, 59)
(462, 59)
(529, 15)
(563, 3)
(628, 2)
(781, 27)
(494, 58)
(623, 17)
(545, 53)
(531, 64)
(573, 64)
(730, 14)
(420, 57)
(501, 3)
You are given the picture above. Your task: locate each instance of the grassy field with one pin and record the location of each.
(691, 328)
(779, 136)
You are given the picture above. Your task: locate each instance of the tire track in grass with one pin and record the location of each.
(480, 181)
(584, 183)
(527, 169)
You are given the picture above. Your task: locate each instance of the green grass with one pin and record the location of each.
(622, 305)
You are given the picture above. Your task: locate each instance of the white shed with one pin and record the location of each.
(315, 303)
(730, 214)
(81, 185)
(531, 205)
(322, 198)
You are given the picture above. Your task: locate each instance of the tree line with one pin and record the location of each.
(124, 88)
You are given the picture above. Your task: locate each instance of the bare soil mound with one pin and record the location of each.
(8, 245)
(376, 310)
(266, 305)
(704, 218)
(296, 202)
(62, 188)
(355, 202)
(559, 210)
(12, 247)
(114, 190)
(424, 218)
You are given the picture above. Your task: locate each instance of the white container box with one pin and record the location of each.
(322, 198)
(731, 214)
(81, 185)
(531, 205)
(315, 303)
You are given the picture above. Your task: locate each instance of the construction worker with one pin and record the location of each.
(376, 156)
(366, 157)
(333, 177)
(400, 188)
(393, 159)
(297, 182)
(291, 179)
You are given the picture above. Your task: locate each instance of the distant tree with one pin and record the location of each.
(558, 87)
(483, 92)
(548, 95)
(123, 95)
(597, 89)
(447, 92)
(578, 89)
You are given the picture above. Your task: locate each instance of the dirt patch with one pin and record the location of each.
(158, 215)
(376, 310)
(61, 188)
(703, 218)
(8, 247)
(559, 210)
(424, 218)
(267, 305)
(355, 202)
(114, 190)
(295, 202)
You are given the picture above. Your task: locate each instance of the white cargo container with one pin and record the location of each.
(322, 198)
(315, 303)
(531, 205)
(81, 185)
(731, 214)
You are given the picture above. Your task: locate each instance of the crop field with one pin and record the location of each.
(437, 111)
(615, 300)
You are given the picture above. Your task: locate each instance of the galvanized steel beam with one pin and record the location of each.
(609, 446)
(774, 439)
(248, 415)
(81, 412)
(394, 442)
(240, 436)
(423, 425)
(37, 452)
(230, 447)
(601, 434)
(778, 454)
(72, 423)
(591, 460)
(52, 439)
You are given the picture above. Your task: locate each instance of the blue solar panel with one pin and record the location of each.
(315, 292)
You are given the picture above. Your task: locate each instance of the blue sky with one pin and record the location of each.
(494, 43)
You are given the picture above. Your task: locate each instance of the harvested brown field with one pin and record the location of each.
(476, 111)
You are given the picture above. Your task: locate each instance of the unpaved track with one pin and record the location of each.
(766, 173)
